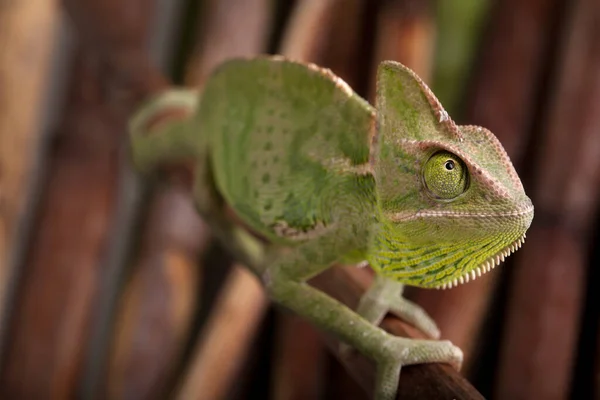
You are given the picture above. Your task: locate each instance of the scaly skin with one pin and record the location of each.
(311, 166)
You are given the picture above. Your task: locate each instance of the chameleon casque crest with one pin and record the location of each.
(325, 177)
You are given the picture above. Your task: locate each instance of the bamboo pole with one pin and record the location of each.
(160, 300)
(545, 302)
(117, 33)
(327, 32)
(222, 349)
(460, 25)
(53, 313)
(26, 41)
(405, 33)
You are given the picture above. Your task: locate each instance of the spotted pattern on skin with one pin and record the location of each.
(282, 229)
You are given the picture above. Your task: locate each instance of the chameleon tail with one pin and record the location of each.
(160, 132)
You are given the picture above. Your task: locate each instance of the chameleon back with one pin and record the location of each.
(288, 143)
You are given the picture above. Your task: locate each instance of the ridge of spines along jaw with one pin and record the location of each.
(486, 267)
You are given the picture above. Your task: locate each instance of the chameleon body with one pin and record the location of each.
(326, 178)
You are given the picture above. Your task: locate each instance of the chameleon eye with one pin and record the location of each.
(445, 175)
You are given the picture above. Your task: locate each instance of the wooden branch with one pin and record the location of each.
(545, 301)
(24, 61)
(503, 97)
(425, 381)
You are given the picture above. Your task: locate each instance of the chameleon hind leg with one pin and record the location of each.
(385, 295)
(161, 132)
(285, 280)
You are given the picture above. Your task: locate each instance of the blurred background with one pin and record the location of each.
(111, 287)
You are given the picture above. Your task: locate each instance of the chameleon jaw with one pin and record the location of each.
(490, 264)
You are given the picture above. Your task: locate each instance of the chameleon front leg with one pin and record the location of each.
(285, 280)
(385, 295)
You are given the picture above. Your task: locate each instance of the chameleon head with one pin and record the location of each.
(451, 203)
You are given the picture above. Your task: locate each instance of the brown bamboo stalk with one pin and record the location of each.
(26, 40)
(53, 311)
(405, 33)
(117, 33)
(227, 30)
(299, 360)
(327, 32)
(503, 98)
(222, 348)
(545, 301)
(596, 382)
(120, 40)
(343, 385)
(160, 299)
(159, 303)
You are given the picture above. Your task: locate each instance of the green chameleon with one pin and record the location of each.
(326, 178)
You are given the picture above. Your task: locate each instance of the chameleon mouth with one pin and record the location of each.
(489, 265)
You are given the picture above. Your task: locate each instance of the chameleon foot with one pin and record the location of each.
(403, 351)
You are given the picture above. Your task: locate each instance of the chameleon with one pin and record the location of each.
(324, 177)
